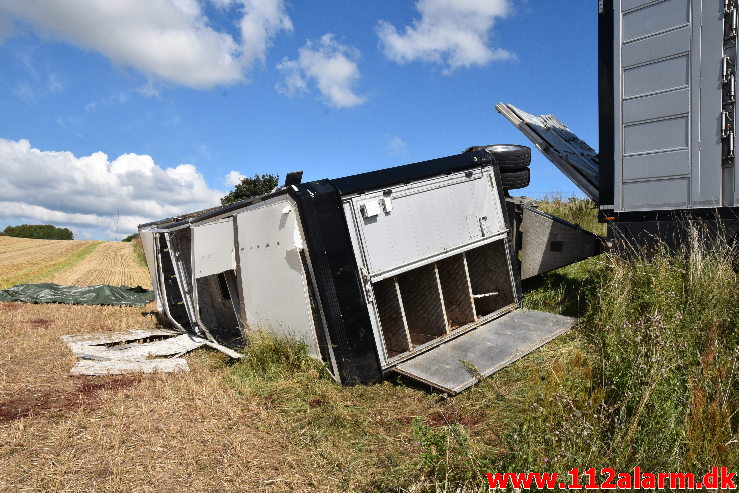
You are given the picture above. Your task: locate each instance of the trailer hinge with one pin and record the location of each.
(729, 156)
(727, 68)
(730, 20)
(729, 6)
(728, 94)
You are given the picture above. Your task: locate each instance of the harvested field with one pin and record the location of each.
(73, 263)
(25, 261)
(111, 263)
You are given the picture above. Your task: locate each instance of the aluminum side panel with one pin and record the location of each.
(147, 242)
(213, 248)
(549, 243)
(668, 104)
(425, 219)
(274, 283)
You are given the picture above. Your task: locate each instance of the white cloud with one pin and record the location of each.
(89, 192)
(262, 20)
(454, 33)
(168, 39)
(233, 178)
(395, 145)
(330, 66)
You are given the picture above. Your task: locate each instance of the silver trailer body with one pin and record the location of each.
(237, 267)
(412, 269)
(674, 104)
(667, 100)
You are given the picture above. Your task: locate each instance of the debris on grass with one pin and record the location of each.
(134, 351)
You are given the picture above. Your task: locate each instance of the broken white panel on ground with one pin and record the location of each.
(121, 352)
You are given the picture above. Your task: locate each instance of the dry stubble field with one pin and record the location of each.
(128, 433)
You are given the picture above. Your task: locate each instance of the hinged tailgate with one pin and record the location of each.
(461, 362)
(576, 159)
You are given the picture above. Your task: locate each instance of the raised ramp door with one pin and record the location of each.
(462, 362)
(576, 159)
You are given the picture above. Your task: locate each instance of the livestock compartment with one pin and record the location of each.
(412, 269)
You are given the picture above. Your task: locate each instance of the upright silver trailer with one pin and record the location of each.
(413, 269)
(667, 75)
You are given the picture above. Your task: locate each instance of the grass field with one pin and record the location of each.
(649, 378)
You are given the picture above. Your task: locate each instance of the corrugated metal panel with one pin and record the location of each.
(668, 103)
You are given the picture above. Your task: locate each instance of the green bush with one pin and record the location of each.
(39, 232)
(130, 238)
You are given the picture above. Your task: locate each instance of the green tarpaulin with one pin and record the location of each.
(101, 294)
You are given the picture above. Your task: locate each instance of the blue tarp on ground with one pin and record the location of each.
(102, 294)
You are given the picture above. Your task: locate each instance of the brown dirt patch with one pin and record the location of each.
(450, 416)
(314, 403)
(40, 323)
(7, 306)
(59, 399)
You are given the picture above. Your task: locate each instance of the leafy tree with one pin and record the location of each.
(251, 187)
(130, 237)
(39, 232)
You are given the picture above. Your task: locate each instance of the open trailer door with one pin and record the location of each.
(576, 159)
(462, 362)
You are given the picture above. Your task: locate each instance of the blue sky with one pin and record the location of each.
(127, 111)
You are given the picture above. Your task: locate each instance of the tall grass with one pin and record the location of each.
(576, 210)
(663, 329)
(138, 251)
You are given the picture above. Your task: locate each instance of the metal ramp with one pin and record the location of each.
(462, 362)
(576, 159)
(549, 243)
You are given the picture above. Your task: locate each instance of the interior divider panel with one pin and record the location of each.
(422, 300)
(392, 317)
(490, 277)
(456, 291)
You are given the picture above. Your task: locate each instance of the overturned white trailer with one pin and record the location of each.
(413, 269)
